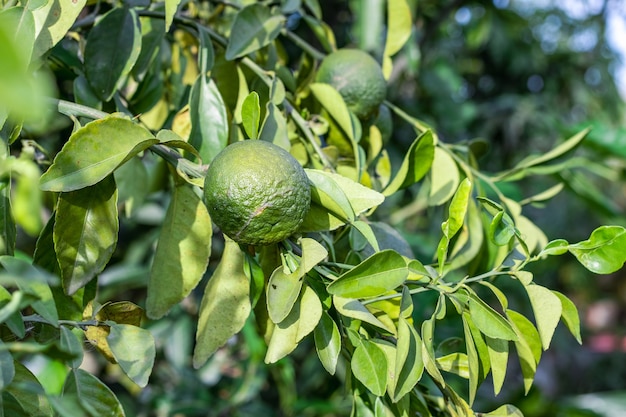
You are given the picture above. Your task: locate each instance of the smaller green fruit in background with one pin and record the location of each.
(256, 192)
(357, 77)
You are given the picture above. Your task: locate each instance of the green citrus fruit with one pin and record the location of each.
(357, 77)
(256, 192)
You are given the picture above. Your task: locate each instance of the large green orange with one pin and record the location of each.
(256, 192)
(357, 77)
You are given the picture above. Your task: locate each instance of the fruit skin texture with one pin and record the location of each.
(357, 77)
(256, 192)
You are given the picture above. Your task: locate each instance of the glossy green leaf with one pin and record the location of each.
(327, 343)
(32, 401)
(209, 121)
(132, 185)
(489, 321)
(484, 365)
(408, 364)
(528, 346)
(336, 200)
(369, 366)
(455, 363)
(8, 231)
(7, 368)
(473, 359)
(53, 21)
(506, 410)
(356, 310)
(134, 350)
(445, 178)
(399, 25)
(225, 305)
(274, 127)
(417, 161)
(501, 229)
(498, 357)
(456, 217)
(112, 48)
(302, 320)
(283, 288)
(254, 27)
(69, 342)
(334, 104)
(605, 250)
(570, 316)
(547, 309)
(182, 252)
(93, 395)
(381, 272)
(85, 232)
(95, 151)
(251, 115)
(428, 350)
(20, 25)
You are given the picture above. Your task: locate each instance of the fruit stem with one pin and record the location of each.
(304, 45)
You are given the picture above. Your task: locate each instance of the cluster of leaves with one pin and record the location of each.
(151, 106)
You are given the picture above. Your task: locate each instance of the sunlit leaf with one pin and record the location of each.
(399, 24)
(182, 252)
(408, 364)
(417, 162)
(605, 250)
(376, 275)
(369, 366)
(53, 21)
(251, 115)
(85, 232)
(327, 343)
(332, 101)
(93, 395)
(445, 178)
(547, 309)
(254, 27)
(209, 121)
(95, 151)
(570, 315)
(498, 357)
(356, 310)
(134, 350)
(225, 305)
(489, 321)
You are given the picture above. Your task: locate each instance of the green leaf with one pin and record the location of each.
(356, 310)
(209, 121)
(53, 21)
(489, 321)
(501, 229)
(33, 281)
(506, 410)
(85, 232)
(547, 309)
(445, 178)
(112, 48)
(251, 115)
(134, 350)
(302, 320)
(69, 342)
(283, 288)
(170, 10)
(498, 357)
(27, 391)
(93, 395)
(254, 27)
(8, 232)
(182, 252)
(409, 366)
(95, 151)
(605, 250)
(336, 200)
(7, 367)
(399, 25)
(570, 315)
(225, 305)
(274, 127)
(416, 163)
(455, 363)
(381, 272)
(456, 218)
(473, 360)
(152, 35)
(327, 343)
(528, 346)
(369, 366)
(333, 102)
